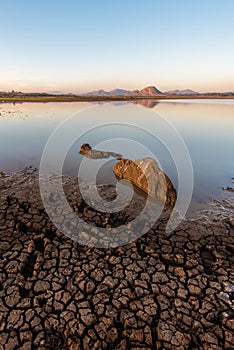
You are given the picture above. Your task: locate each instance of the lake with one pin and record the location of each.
(205, 126)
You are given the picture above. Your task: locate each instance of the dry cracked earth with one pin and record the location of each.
(163, 291)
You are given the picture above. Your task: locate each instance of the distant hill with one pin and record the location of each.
(181, 92)
(116, 92)
(150, 91)
(55, 92)
(97, 93)
(147, 91)
(59, 93)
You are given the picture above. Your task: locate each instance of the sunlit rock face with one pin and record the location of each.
(146, 174)
(150, 91)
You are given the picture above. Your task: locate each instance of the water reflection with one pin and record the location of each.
(148, 103)
(205, 125)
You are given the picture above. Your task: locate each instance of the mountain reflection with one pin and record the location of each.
(148, 103)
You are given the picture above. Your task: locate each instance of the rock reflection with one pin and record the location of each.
(148, 103)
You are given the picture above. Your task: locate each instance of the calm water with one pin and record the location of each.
(206, 127)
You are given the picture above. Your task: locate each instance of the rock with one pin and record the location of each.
(85, 148)
(228, 188)
(87, 151)
(146, 174)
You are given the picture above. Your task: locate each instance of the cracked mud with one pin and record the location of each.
(163, 291)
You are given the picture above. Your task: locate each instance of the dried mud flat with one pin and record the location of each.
(163, 291)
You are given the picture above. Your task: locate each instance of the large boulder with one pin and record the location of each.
(146, 174)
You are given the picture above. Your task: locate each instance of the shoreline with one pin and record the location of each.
(163, 290)
(64, 98)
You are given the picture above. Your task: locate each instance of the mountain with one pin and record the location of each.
(97, 93)
(116, 92)
(147, 91)
(55, 92)
(181, 92)
(119, 92)
(150, 91)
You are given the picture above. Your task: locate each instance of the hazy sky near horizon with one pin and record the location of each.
(78, 46)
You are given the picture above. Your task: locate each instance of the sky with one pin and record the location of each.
(77, 46)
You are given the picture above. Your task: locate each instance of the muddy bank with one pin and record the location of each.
(163, 291)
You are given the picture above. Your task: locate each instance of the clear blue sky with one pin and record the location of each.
(75, 45)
